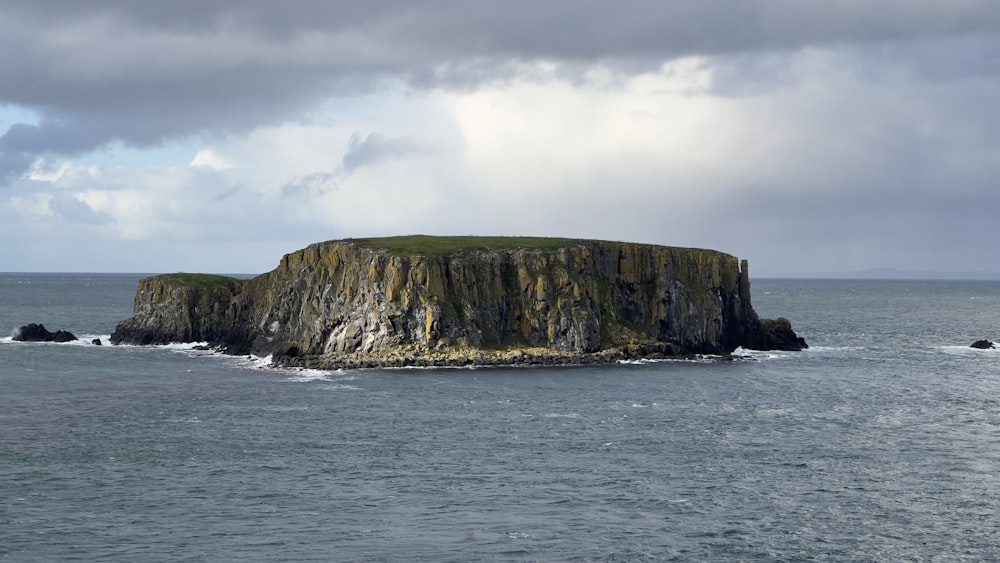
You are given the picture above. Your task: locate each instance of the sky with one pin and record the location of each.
(805, 136)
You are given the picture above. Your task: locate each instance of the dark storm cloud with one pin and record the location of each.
(145, 72)
(60, 137)
(966, 57)
(444, 29)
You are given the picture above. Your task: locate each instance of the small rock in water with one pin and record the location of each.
(96, 342)
(38, 333)
(982, 345)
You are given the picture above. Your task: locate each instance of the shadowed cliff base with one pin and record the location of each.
(428, 301)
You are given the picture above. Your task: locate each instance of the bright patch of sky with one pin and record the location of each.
(13, 114)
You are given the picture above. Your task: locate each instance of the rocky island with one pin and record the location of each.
(445, 301)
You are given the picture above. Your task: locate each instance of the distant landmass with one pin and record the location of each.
(894, 274)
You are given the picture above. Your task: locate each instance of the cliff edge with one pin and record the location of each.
(420, 300)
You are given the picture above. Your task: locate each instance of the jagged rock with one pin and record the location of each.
(33, 332)
(366, 303)
(982, 345)
(776, 334)
(63, 336)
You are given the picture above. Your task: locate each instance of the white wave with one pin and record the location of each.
(341, 387)
(248, 361)
(699, 358)
(814, 349)
(261, 362)
(185, 346)
(761, 354)
(294, 374)
(179, 346)
(88, 340)
(966, 350)
(471, 367)
(82, 340)
(306, 376)
(640, 362)
(330, 380)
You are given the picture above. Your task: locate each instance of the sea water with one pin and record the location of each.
(881, 442)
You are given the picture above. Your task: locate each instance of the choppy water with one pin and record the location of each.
(880, 443)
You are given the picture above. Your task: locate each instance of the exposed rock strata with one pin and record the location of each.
(345, 304)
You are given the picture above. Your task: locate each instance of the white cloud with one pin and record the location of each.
(654, 136)
(135, 217)
(32, 207)
(39, 173)
(208, 158)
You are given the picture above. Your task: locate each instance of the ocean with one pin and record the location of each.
(881, 442)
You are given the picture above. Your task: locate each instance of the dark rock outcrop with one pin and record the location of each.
(360, 304)
(775, 334)
(982, 345)
(38, 333)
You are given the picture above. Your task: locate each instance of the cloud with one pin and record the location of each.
(804, 135)
(207, 158)
(39, 173)
(362, 151)
(313, 184)
(13, 165)
(107, 71)
(49, 136)
(374, 148)
(76, 211)
(35, 206)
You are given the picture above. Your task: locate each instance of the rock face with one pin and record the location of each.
(367, 303)
(182, 308)
(775, 334)
(38, 333)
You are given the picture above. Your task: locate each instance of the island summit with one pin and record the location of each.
(447, 301)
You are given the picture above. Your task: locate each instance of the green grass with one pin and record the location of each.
(432, 246)
(199, 281)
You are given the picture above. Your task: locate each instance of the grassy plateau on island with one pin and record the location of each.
(199, 281)
(435, 246)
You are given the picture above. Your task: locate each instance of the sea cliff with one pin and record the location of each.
(467, 300)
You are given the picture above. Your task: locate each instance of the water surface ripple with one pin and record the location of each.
(880, 443)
